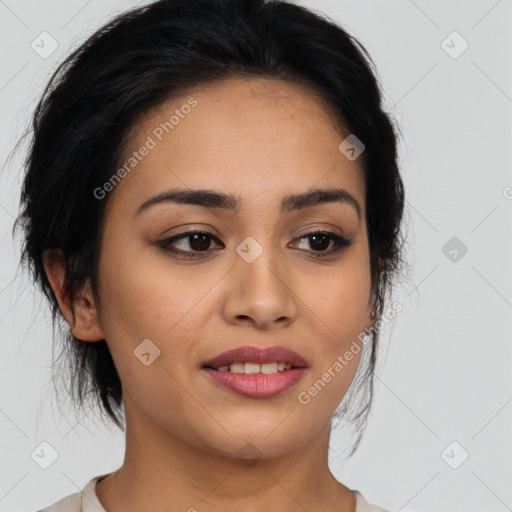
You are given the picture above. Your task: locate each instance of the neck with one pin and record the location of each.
(161, 473)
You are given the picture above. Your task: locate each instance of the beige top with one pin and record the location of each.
(87, 501)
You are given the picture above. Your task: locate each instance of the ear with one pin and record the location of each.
(370, 317)
(80, 312)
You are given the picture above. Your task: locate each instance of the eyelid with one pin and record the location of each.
(185, 234)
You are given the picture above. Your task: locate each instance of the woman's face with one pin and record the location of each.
(258, 140)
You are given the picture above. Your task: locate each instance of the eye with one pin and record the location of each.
(320, 241)
(198, 241)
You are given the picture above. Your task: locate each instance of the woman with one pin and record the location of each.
(212, 204)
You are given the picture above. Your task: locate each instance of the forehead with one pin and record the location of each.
(260, 139)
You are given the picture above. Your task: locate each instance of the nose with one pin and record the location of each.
(260, 292)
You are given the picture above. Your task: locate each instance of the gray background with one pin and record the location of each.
(445, 373)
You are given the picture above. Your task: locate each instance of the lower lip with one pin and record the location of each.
(257, 385)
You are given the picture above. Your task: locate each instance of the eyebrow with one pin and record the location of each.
(212, 199)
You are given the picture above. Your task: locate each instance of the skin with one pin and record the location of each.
(259, 139)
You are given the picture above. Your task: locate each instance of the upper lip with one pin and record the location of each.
(253, 354)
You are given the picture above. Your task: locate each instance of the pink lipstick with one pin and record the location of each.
(257, 372)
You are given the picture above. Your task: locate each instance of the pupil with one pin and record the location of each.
(199, 247)
(324, 246)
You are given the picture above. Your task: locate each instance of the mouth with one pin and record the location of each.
(249, 368)
(251, 359)
(256, 372)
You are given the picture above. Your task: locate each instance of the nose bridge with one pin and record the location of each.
(261, 291)
(257, 263)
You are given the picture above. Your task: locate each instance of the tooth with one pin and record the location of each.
(236, 368)
(251, 368)
(269, 368)
(254, 368)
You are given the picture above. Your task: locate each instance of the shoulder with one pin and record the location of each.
(71, 503)
(364, 506)
(83, 501)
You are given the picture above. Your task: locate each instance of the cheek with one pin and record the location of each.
(341, 318)
(140, 298)
(342, 314)
(340, 300)
(145, 295)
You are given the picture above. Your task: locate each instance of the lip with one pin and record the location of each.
(257, 385)
(253, 354)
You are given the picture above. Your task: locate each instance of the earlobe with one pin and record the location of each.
(80, 311)
(371, 319)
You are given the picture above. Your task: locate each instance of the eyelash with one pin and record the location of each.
(341, 242)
